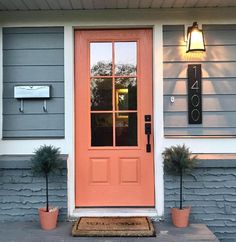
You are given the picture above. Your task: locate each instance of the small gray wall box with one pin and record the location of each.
(32, 92)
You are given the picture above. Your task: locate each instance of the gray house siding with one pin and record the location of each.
(33, 56)
(218, 82)
(210, 191)
(21, 193)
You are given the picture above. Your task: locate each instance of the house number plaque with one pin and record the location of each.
(194, 94)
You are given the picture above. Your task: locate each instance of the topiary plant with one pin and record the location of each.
(179, 160)
(46, 160)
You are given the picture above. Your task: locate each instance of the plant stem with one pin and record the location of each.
(47, 207)
(181, 189)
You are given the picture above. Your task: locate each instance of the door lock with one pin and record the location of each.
(147, 118)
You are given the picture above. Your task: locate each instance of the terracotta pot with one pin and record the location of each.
(48, 220)
(180, 217)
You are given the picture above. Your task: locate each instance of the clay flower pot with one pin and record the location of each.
(180, 217)
(48, 220)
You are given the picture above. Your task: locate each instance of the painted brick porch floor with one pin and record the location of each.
(30, 232)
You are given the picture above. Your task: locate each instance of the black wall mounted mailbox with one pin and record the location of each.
(194, 94)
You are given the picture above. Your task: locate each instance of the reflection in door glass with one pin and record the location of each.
(101, 94)
(125, 58)
(126, 129)
(101, 59)
(101, 129)
(126, 94)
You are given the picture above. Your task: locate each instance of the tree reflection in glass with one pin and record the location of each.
(101, 94)
(102, 68)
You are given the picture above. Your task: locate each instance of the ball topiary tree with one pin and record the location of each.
(46, 160)
(179, 160)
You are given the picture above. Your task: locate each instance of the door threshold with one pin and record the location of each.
(113, 212)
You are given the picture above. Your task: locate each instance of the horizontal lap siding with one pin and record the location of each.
(54, 106)
(42, 74)
(33, 56)
(218, 82)
(210, 120)
(40, 57)
(211, 103)
(33, 122)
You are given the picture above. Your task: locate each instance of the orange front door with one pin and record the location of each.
(113, 103)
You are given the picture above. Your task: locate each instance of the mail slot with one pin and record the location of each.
(32, 91)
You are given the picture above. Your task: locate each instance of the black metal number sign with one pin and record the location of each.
(194, 94)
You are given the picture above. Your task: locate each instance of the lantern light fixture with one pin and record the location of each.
(195, 39)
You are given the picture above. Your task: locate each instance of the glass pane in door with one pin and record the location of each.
(101, 129)
(125, 58)
(101, 94)
(126, 93)
(126, 129)
(101, 59)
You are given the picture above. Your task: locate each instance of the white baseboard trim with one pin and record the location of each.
(116, 212)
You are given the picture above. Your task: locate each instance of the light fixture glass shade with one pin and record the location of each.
(195, 39)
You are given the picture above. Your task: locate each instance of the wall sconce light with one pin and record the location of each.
(195, 39)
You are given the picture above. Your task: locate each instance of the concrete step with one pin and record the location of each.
(31, 232)
(194, 233)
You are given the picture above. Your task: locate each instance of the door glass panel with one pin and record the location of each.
(125, 58)
(102, 87)
(126, 93)
(101, 59)
(126, 129)
(101, 94)
(101, 129)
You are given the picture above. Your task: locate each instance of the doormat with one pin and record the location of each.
(114, 227)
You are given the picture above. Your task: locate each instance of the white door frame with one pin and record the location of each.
(157, 119)
(157, 98)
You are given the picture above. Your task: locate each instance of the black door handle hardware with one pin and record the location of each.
(148, 128)
(148, 132)
(148, 148)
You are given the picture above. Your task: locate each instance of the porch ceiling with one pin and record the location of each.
(12, 5)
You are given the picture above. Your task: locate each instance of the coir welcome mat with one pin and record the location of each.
(113, 226)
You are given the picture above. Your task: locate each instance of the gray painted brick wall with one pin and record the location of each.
(211, 192)
(21, 194)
